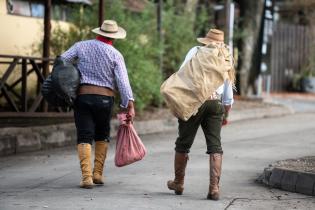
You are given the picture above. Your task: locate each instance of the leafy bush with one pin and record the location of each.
(179, 37)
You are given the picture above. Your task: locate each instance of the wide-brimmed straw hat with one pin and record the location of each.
(110, 29)
(214, 35)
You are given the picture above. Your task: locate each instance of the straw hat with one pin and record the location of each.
(214, 35)
(110, 29)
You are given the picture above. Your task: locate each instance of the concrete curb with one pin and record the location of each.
(289, 180)
(257, 113)
(16, 140)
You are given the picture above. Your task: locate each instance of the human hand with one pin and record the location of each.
(225, 115)
(130, 112)
(227, 108)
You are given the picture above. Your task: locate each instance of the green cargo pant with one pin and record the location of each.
(209, 116)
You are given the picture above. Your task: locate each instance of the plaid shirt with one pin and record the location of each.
(102, 65)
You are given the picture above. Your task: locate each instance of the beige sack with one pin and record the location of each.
(186, 90)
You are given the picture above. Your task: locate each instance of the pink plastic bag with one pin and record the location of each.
(129, 147)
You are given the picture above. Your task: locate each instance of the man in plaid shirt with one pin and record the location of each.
(102, 69)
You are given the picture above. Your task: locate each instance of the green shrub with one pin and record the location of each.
(179, 37)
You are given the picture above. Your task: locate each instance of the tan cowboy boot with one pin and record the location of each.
(215, 173)
(100, 156)
(84, 152)
(180, 163)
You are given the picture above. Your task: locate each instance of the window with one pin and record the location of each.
(33, 8)
(37, 10)
(59, 12)
(19, 7)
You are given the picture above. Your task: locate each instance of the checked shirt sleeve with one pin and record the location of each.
(122, 81)
(71, 54)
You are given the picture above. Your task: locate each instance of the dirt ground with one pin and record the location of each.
(304, 164)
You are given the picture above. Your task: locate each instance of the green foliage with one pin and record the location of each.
(179, 37)
(309, 69)
(140, 50)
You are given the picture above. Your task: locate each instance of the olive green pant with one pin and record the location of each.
(209, 116)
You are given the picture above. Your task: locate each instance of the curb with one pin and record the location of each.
(15, 140)
(257, 113)
(289, 180)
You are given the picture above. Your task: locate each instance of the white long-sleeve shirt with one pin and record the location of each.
(225, 90)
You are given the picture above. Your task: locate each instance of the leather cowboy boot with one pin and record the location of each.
(84, 152)
(215, 173)
(180, 163)
(100, 156)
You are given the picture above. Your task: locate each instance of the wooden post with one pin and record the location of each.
(160, 32)
(100, 12)
(24, 85)
(46, 45)
(227, 19)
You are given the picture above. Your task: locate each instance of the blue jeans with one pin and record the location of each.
(92, 114)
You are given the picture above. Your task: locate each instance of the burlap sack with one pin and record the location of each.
(186, 90)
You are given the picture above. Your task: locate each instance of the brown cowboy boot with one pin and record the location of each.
(215, 173)
(100, 156)
(180, 163)
(84, 152)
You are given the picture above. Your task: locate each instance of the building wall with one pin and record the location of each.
(21, 35)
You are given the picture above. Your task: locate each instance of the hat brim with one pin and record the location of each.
(120, 34)
(207, 41)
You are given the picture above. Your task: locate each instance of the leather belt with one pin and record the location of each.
(93, 89)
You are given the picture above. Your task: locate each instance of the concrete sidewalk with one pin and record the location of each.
(298, 102)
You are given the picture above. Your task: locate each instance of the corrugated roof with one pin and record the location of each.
(80, 1)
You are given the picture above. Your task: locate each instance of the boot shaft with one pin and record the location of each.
(215, 163)
(180, 163)
(100, 156)
(84, 153)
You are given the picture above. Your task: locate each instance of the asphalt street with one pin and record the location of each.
(50, 179)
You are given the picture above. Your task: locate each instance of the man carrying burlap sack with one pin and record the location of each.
(200, 93)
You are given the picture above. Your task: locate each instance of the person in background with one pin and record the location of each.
(102, 70)
(210, 117)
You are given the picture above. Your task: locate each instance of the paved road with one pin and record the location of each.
(49, 179)
(298, 103)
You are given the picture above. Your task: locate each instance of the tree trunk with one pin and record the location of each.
(251, 13)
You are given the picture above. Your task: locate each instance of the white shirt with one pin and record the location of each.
(225, 90)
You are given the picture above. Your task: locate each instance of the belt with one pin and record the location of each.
(98, 90)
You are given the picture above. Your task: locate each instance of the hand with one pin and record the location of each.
(227, 108)
(130, 112)
(226, 115)
(224, 122)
